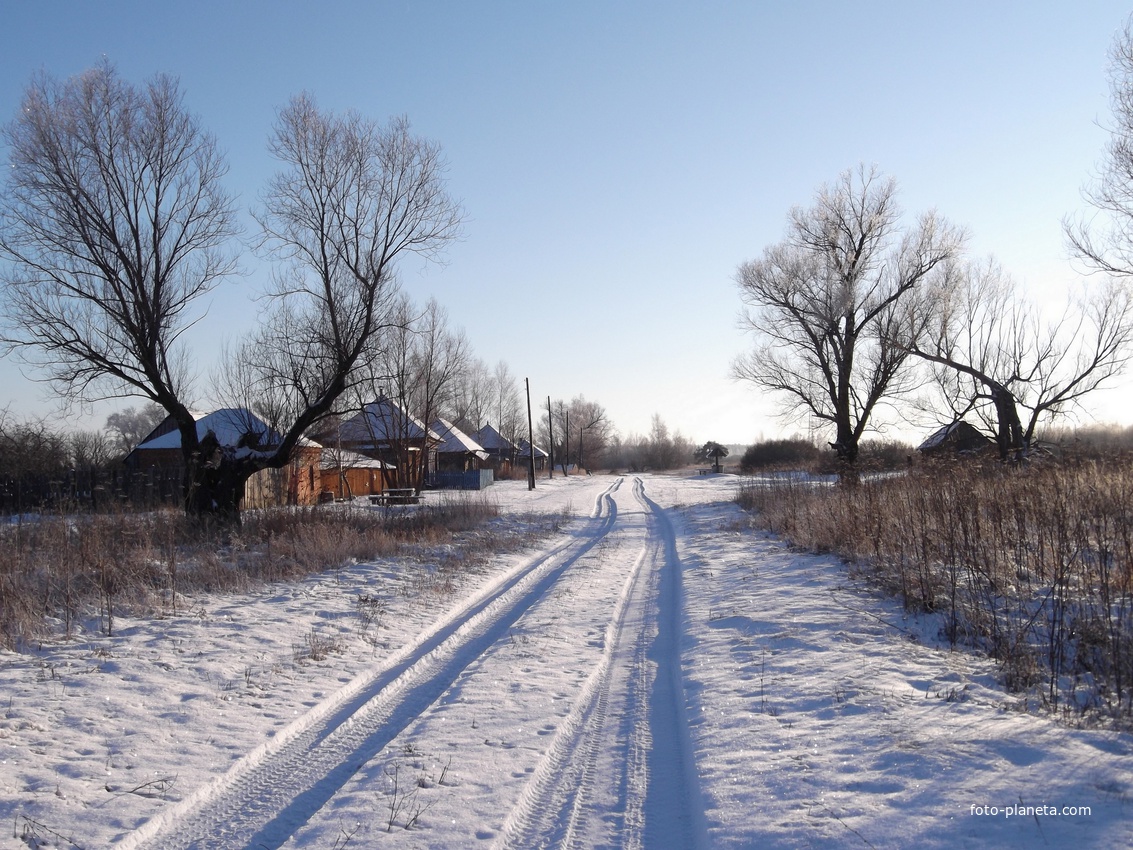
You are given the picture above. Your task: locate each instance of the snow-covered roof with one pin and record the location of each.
(455, 441)
(384, 421)
(493, 440)
(233, 427)
(332, 458)
(524, 451)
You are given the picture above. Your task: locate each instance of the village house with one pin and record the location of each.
(523, 455)
(501, 451)
(383, 430)
(241, 432)
(346, 474)
(461, 462)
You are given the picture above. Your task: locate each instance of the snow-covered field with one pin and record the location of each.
(655, 674)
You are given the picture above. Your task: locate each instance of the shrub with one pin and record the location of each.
(793, 453)
(57, 571)
(1032, 564)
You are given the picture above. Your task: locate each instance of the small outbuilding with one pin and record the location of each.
(347, 474)
(957, 437)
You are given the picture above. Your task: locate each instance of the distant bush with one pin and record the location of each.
(795, 453)
(873, 456)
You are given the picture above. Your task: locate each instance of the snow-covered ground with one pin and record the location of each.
(653, 674)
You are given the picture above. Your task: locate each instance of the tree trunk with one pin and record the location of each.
(214, 484)
(1009, 433)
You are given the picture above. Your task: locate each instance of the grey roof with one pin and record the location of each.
(384, 421)
(954, 431)
(493, 440)
(524, 451)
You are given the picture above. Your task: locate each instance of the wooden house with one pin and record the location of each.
(501, 451)
(385, 431)
(456, 452)
(346, 474)
(241, 432)
(523, 455)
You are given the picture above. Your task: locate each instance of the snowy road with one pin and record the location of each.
(617, 766)
(659, 674)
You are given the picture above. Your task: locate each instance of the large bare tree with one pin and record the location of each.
(830, 304)
(114, 224)
(994, 356)
(353, 196)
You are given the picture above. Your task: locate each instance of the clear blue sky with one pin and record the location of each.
(618, 160)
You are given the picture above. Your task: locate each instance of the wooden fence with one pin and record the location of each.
(91, 490)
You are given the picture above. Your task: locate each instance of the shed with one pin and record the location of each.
(347, 474)
(956, 437)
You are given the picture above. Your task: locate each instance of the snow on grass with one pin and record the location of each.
(819, 714)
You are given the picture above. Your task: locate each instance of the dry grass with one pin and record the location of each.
(1034, 565)
(56, 572)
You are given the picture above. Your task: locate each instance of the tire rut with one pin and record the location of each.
(609, 739)
(263, 799)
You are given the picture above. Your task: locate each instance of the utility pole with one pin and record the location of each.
(551, 432)
(530, 440)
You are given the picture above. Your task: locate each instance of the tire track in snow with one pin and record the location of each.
(266, 796)
(624, 776)
(674, 805)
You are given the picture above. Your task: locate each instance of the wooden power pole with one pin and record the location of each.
(530, 440)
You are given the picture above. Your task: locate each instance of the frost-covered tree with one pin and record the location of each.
(996, 358)
(831, 304)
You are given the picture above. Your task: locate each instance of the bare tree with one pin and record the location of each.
(1105, 242)
(438, 359)
(830, 304)
(994, 356)
(471, 396)
(593, 427)
(583, 429)
(115, 224)
(128, 427)
(91, 449)
(419, 368)
(352, 198)
(506, 405)
(31, 448)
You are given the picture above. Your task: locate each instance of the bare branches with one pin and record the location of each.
(992, 353)
(827, 305)
(115, 224)
(352, 197)
(1105, 241)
